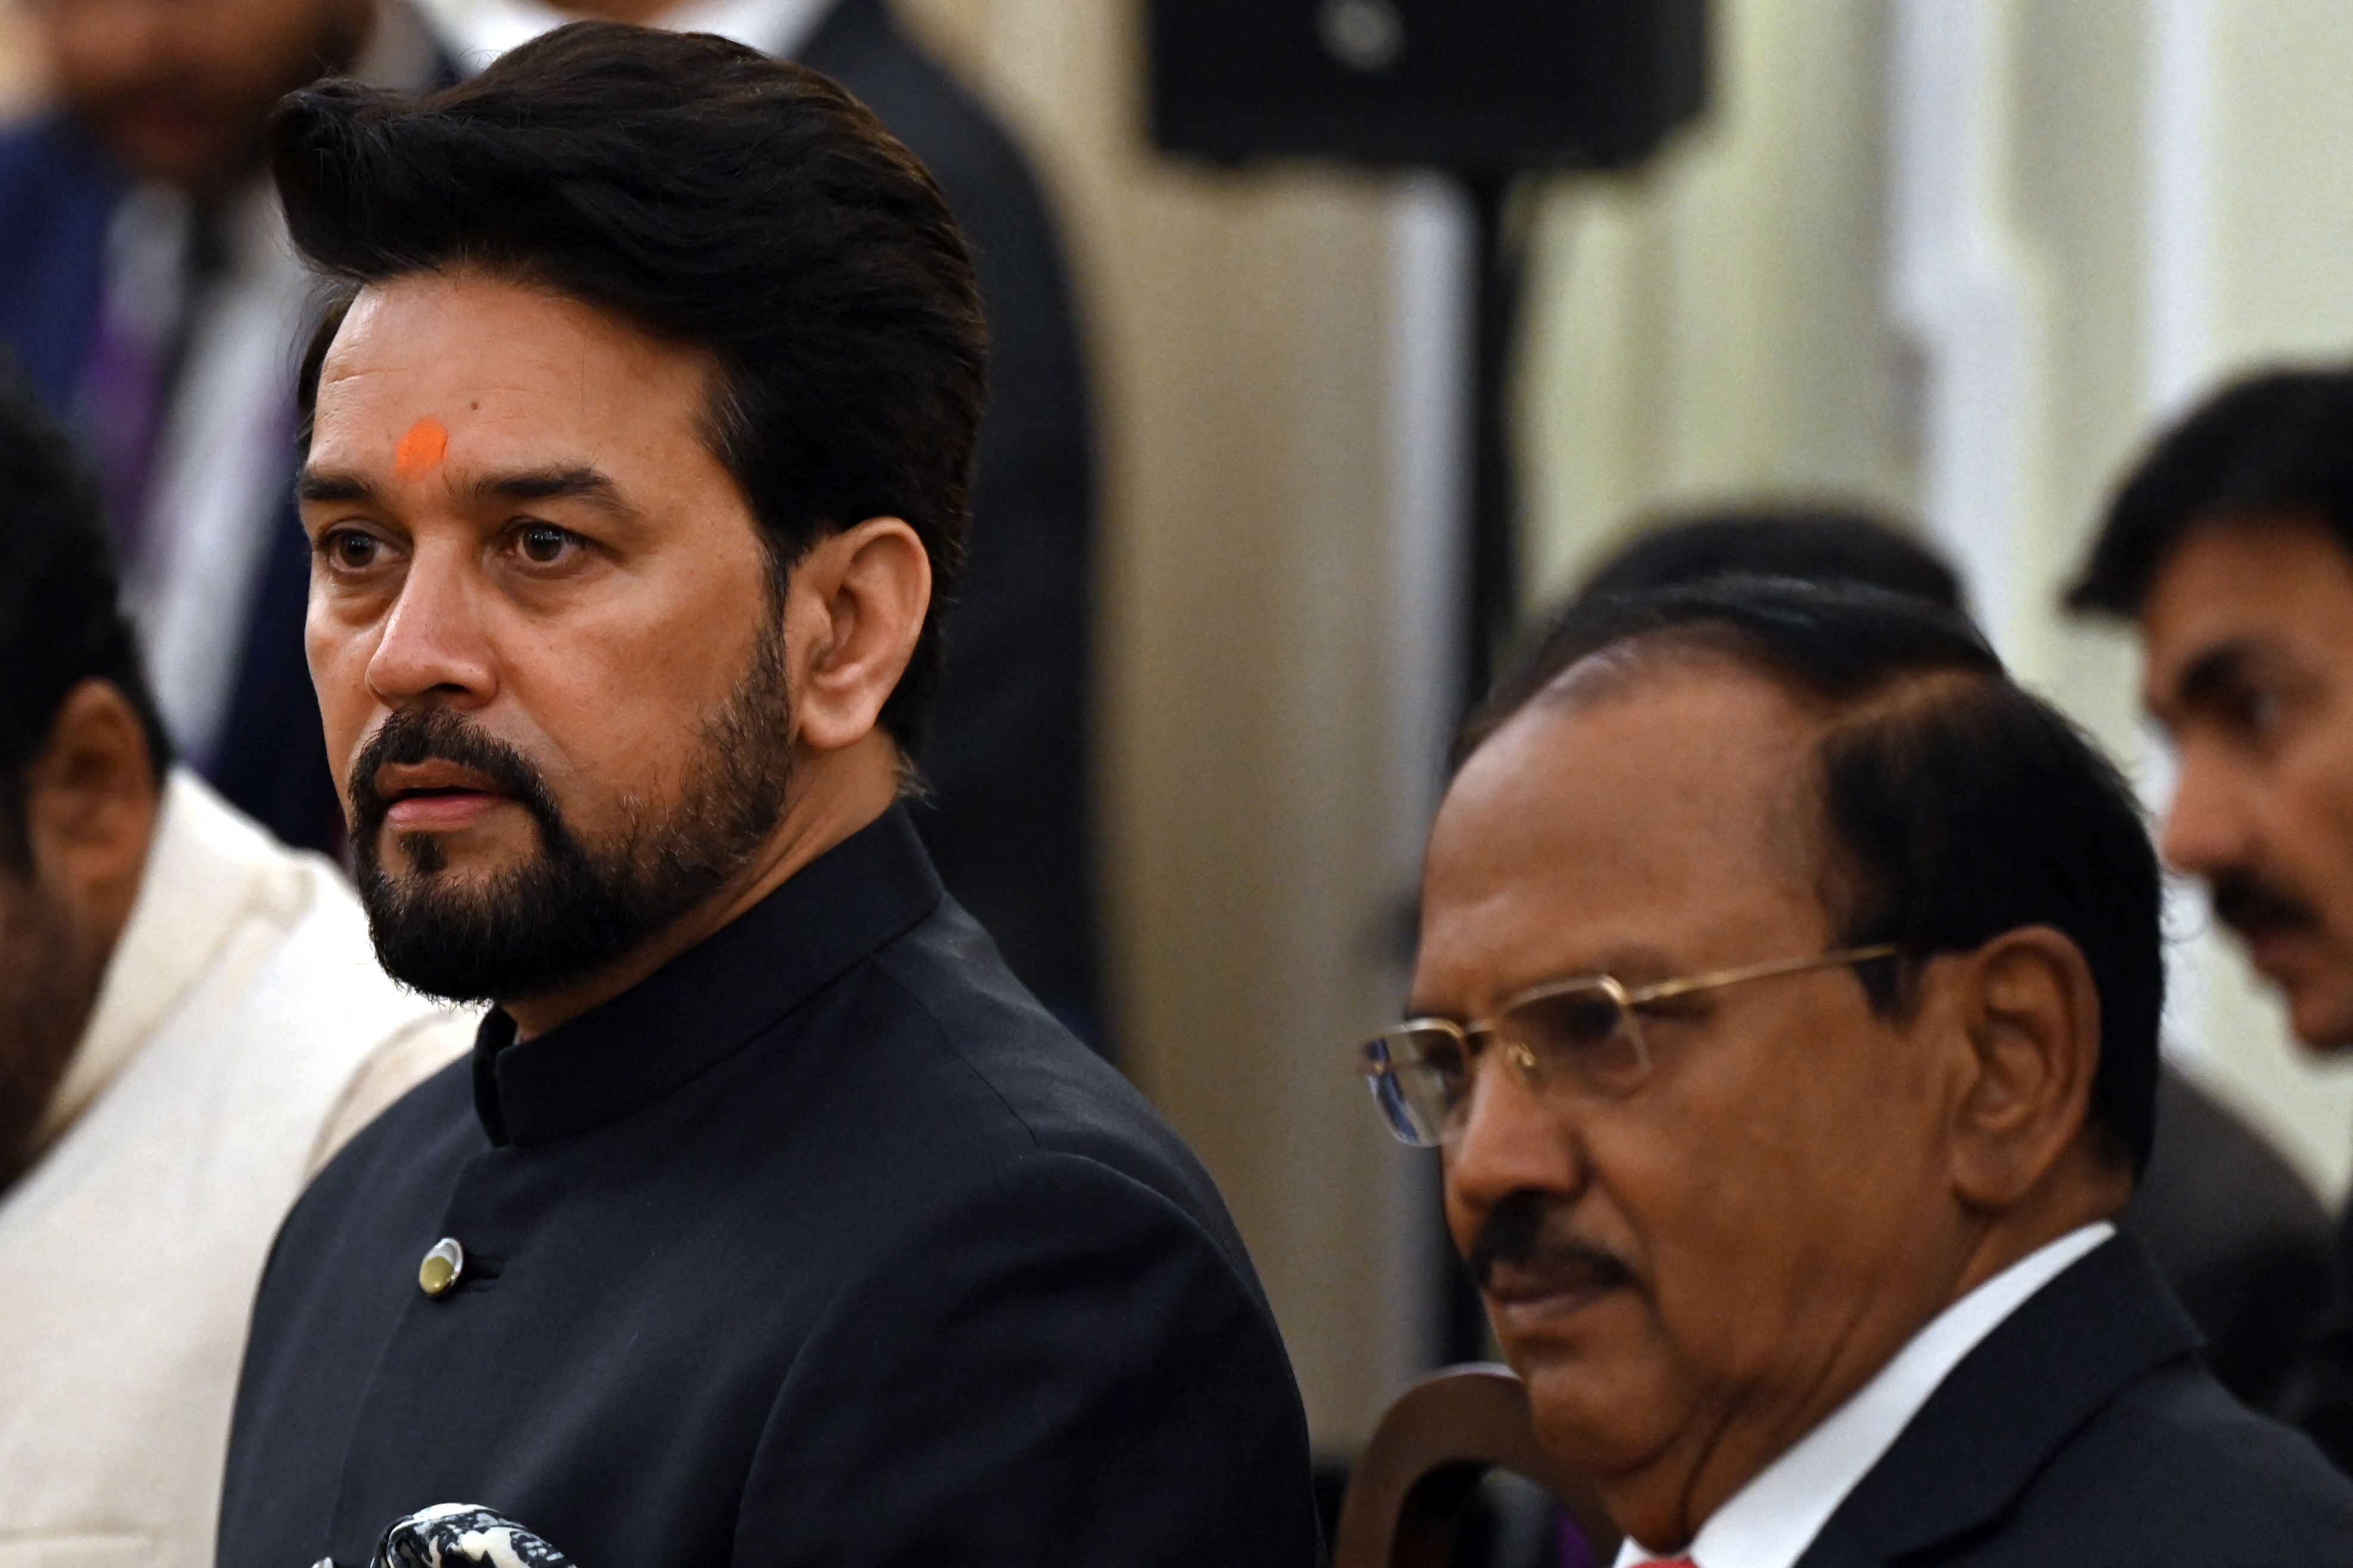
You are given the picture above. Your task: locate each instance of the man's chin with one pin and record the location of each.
(1586, 1383)
(1594, 1423)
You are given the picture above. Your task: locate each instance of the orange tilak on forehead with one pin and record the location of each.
(422, 449)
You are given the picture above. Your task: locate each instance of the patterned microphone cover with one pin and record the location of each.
(456, 1534)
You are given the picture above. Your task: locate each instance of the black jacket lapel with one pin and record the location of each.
(2101, 1326)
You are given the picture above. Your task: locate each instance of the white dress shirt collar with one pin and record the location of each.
(476, 32)
(1769, 1522)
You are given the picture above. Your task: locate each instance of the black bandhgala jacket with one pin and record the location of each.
(824, 1245)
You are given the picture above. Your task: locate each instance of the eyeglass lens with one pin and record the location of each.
(1581, 1039)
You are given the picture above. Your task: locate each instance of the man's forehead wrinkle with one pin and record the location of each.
(508, 383)
(335, 377)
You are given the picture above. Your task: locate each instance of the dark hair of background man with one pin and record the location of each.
(1963, 809)
(771, 221)
(1824, 542)
(60, 621)
(2277, 442)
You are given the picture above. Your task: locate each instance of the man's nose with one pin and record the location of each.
(434, 644)
(1512, 1140)
(2206, 825)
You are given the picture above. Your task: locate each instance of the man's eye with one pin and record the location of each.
(351, 551)
(543, 545)
(2255, 709)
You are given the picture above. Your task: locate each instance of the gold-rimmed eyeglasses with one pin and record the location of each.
(1583, 1035)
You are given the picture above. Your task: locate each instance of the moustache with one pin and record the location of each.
(1521, 1251)
(2252, 907)
(439, 735)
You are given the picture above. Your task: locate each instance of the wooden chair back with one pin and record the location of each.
(1408, 1493)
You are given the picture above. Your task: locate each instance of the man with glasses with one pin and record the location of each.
(2238, 1233)
(1785, 1014)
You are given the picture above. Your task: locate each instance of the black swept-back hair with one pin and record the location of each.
(61, 620)
(2278, 442)
(718, 199)
(1955, 805)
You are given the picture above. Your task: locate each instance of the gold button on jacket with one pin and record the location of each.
(442, 1265)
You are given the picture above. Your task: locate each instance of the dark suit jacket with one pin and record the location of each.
(2319, 1392)
(2084, 1432)
(58, 195)
(823, 1246)
(1007, 758)
(2239, 1236)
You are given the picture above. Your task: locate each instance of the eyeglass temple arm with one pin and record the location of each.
(1666, 988)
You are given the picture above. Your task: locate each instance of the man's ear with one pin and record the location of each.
(853, 612)
(90, 805)
(2031, 1014)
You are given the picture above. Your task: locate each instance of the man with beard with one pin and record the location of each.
(772, 1221)
(190, 1019)
(2231, 545)
(1006, 812)
(148, 292)
(1787, 1014)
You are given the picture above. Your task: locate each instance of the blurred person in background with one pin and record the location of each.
(776, 1221)
(1786, 1013)
(1007, 806)
(148, 291)
(2229, 546)
(2238, 1233)
(191, 1021)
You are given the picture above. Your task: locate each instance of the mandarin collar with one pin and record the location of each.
(709, 1000)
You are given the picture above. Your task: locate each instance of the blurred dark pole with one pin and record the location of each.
(1493, 608)
(1484, 91)
(1491, 604)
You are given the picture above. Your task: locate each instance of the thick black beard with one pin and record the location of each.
(575, 908)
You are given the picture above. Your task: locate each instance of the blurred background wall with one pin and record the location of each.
(1955, 257)
(1949, 256)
